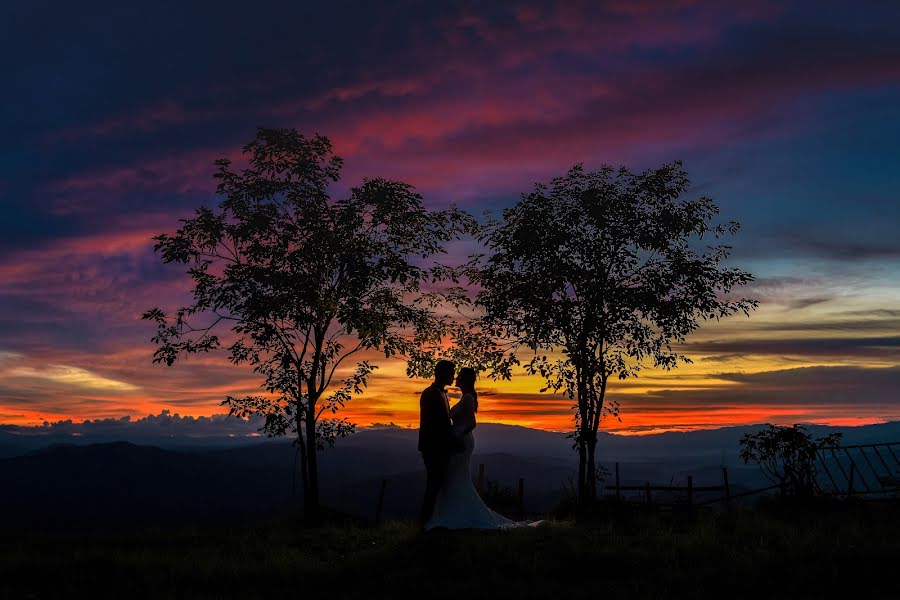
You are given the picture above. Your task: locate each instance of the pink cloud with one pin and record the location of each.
(168, 112)
(185, 172)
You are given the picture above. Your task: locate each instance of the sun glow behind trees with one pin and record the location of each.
(779, 338)
(694, 396)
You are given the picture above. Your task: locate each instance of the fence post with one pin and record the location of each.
(380, 505)
(647, 489)
(521, 499)
(690, 491)
(618, 492)
(481, 478)
(727, 488)
(850, 480)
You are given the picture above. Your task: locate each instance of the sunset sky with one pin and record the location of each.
(787, 114)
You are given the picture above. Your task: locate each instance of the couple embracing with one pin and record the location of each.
(446, 442)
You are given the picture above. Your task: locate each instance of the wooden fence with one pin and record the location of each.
(881, 476)
(690, 489)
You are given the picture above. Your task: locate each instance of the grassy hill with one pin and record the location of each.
(839, 551)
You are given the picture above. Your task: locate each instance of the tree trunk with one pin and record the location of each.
(592, 446)
(304, 473)
(592, 467)
(582, 483)
(597, 404)
(299, 421)
(583, 424)
(311, 503)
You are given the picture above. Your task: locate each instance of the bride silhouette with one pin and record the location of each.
(458, 505)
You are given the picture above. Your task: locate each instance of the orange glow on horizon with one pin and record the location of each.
(716, 390)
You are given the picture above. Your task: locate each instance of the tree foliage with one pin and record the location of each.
(787, 456)
(305, 282)
(597, 274)
(461, 334)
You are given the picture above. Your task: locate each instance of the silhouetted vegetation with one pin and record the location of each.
(787, 456)
(597, 273)
(305, 282)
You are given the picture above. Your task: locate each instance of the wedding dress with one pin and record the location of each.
(458, 504)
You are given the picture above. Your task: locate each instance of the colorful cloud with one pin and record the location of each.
(785, 113)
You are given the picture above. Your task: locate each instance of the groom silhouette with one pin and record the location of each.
(436, 441)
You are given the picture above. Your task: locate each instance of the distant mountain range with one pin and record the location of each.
(18, 440)
(48, 482)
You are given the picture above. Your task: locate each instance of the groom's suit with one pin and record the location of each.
(436, 442)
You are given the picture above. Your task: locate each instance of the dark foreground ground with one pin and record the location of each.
(844, 551)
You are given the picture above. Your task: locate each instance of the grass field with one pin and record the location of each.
(836, 552)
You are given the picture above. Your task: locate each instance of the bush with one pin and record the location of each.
(787, 456)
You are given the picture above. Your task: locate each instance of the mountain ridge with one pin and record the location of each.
(15, 440)
(126, 482)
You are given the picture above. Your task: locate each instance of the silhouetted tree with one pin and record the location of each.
(787, 456)
(597, 273)
(461, 334)
(305, 282)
